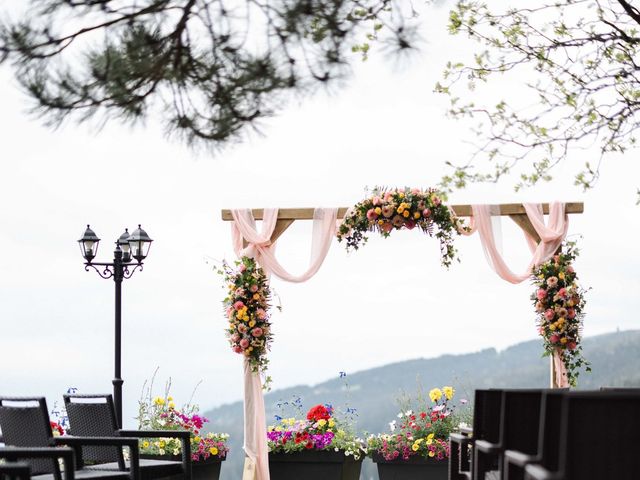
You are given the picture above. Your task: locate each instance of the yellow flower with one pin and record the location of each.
(172, 405)
(158, 401)
(435, 394)
(332, 423)
(416, 215)
(170, 399)
(563, 340)
(380, 222)
(322, 422)
(448, 392)
(256, 296)
(213, 451)
(378, 210)
(197, 439)
(252, 323)
(561, 275)
(400, 209)
(145, 444)
(401, 195)
(406, 213)
(162, 444)
(432, 453)
(430, 436)
(552, 327)
(429, 441)
(415, 447)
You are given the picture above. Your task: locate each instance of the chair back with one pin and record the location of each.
(486, 415)
(24, 422)
(520, 421)
(551, 415)
(600, 436)
(94, 416)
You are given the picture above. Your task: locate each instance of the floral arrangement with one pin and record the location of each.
(559, 303)
(320, 430)
(247, 309)
(160, 413)
(395, 209)
(424, 433)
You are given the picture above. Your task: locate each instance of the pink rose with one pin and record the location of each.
(256, 332)
(242, 328)
(426, 213)
(253, 288)
(397, 221)
(235, 338)
(549, 314)
(554, 338)
(388, 210)
(556, 258)
(570, 269)
(376, 201)
(415, 191)
(571, 313)
(388, 196)
(541, 293)
(371, 214)
(386, 227)
(244, 343)
(238, 305)
(539, 306)
(239, 292)
(572, 345)
(436, 201)
(237, 348)
(261, 313)
(562, 292)
(229, 311)
(243, 267)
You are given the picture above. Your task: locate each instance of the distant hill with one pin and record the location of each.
(614, 357)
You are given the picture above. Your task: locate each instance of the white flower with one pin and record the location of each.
(400, 415)
(408, 413)
(392, 426)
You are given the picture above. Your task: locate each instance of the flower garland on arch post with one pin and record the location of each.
(559, 302)
(396, 209)
(247, 307)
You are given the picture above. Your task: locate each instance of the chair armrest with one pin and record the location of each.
(537, 472)
(66, 454)
(460, 438)
(487, 447)
(520, 459)
(155, 433)
(132, 443)
(466, 430)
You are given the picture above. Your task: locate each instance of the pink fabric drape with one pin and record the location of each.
(551, 237)
(260, 247)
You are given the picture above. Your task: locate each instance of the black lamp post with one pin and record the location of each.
(128, 246)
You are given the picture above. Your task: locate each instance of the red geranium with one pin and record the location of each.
(56, 428)
(319, 412)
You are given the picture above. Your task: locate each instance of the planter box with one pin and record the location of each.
(313, 465)
(208, 469)
(416, 468)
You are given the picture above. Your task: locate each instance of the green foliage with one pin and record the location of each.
(207, 68)
(580, 59)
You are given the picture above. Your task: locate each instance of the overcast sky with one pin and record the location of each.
(388, 302)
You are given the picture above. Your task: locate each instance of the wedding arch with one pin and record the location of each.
(544, 241)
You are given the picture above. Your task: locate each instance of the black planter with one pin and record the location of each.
(208, 469)
(416, 468)
(313, 465)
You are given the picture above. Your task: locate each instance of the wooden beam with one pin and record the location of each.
(281, 226)
(525, 224)
(506, 209)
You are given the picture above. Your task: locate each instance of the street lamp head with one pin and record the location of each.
(89, 244)
(139, 242)
(123, 243)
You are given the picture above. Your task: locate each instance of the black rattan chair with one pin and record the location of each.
(519, 428)
(94, 415)
(15, 471)
(27, 436)
(547, 453)
(598, 440)
(486, 423)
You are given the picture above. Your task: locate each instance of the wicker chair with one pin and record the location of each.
(486, 421)
(15, 471)
(548, 439)
(598, 439)
(519, 427)
(27, 436)
(94, 415)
